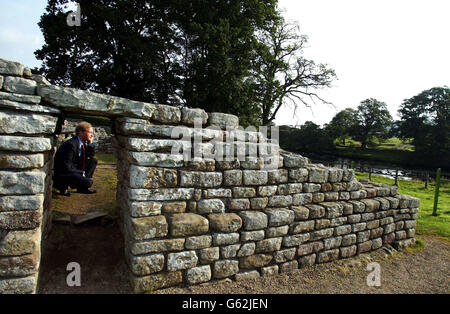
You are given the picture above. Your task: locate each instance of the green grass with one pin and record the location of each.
(106, 158)
(426, 224)
(392, 150)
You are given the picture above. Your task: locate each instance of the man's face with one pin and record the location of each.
(87, 135)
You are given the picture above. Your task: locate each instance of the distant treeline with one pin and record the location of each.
(425, 123)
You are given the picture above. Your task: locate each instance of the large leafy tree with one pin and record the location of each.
(283, 76)
(125, 48)
(197, 53)
(373, 120)
(426, 119)
(343, 124)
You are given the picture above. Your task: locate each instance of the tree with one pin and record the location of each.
(426, 119)
(282, 75)
(196, 53)
(373, 120)
(310, 137)
(343, 124)
(124, 48)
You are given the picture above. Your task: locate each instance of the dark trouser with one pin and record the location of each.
(76, 181)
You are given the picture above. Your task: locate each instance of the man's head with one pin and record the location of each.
(85, 132)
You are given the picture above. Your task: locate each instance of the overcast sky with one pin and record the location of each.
(385, 49)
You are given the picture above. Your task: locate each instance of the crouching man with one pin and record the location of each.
(74, 162)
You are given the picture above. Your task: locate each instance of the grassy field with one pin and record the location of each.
(426, 224)
(392, 150)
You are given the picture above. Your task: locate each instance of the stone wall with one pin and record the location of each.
(27, 131)
(189, 214)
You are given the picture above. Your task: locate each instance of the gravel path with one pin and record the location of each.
(99, 250)
(426, 270)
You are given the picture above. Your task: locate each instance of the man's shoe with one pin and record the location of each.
(65, 192)
(86, 191)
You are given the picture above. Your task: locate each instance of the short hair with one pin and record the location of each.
(82, 126)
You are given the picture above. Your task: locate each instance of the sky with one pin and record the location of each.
(390, 50)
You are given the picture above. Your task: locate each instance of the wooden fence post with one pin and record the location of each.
(436, 191)
(396, 177)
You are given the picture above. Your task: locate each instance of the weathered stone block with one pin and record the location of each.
(225, 222)
(247, 249)
(225, 268)
(290, 188)
(332, 243)
(266, 191)
(232, 177)
(208, 206)
(284, 255)
(13, 122)
(301, 199)
(255, 177)
(243, 192)
(238, 204)
(223, 120)
(200, 179)
(151, 178)
(21, 202)
(321, 234)
(247, 275)
(189, 116)
(295, 240)
(148, 227)
(316, 211)
(327, 256)
(348, 251)
(20, 220)
(268, 245)
(154, 282)
(253, 220)
(298, 175)
(146, 265)
(280, 201)
(269, 270)
(259, 203)
(254, 261)
(209, 255)
(198, 242)
(156, 246)
(317, 174)
(19, 85)
(198, 275)
(21, 182)
(225, 238)
(279, 216)
(20, 242)
(186, 224)
(303, 226)
(11, 68)
(181, 260)
(276, 231)
(252, 235)
(229, 251)
(277, 176)
(161, 194)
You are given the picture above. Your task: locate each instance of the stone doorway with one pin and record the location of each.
(85, 229)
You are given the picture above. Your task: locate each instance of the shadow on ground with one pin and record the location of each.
(97, 245)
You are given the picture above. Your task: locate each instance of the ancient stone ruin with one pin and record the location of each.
(185, 221)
